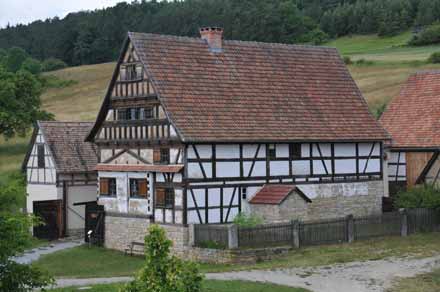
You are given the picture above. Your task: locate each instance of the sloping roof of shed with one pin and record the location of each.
(67, 146)
(275, 194)
(253, 91)
(413, 117)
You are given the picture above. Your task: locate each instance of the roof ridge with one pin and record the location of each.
(237, 41)
(64, 122)
(426, 71)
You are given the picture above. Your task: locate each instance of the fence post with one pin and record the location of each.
(232, 236)
(192, 235)
(350, 228)
(295, 233)
(403, 223)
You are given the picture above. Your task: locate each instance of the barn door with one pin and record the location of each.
(50, 213)
(94, 223)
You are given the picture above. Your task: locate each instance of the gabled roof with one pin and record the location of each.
(413, 117)
(275, 194)
(66, 144)
(254, 91)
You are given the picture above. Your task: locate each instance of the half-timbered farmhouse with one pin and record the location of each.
(412, 119)
(191, 129)
(60, 171)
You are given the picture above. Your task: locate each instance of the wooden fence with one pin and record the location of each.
(297, 233)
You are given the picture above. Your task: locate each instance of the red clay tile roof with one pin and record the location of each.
(139, 167)
(275, 194)
(66, 143)
(413, 117)
(255, 91)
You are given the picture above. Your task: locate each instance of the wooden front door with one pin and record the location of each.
(51, 216)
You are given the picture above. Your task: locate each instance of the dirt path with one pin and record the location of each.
(371, 276)
(351, 277)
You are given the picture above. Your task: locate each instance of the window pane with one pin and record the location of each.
(40, 153)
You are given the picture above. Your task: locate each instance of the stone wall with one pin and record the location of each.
(331, 200)
(122, 229)
(235, 256)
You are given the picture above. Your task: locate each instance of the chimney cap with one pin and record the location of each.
(213, 35)
(211, 28)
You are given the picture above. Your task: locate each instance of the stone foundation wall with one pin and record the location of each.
(235, 256)
(331, 200)
(122, 229)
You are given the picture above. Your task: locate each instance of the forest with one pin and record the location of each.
(90, 37)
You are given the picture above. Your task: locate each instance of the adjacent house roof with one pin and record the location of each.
(252, 91)
(275, 194)
(66, 144)
(173, 168)
(413, 117)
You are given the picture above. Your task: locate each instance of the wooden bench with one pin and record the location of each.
(135, 246)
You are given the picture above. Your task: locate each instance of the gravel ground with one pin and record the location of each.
(34, 254)
(370, 276)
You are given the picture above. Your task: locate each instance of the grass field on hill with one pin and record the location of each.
(393, 62)
(382, 49)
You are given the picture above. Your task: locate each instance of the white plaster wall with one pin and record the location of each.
(122, 202)
(40, 192)
(393, 157)
(77, 194)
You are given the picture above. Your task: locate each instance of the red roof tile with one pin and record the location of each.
(66, 143)
(255, 91)
(275, 194)
(139, 167)
(413, 117)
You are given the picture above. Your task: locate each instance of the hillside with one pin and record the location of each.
(379, 82)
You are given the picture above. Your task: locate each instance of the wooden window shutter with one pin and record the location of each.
(160, 197)
(103, 186)
(156, 155)
(143, 191)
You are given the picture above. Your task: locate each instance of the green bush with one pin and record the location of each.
(363, 62)
(52, 64)
(347, 60)
(428, 36)
(425, 196)
(163, 272)
(211, 244)
(32, 65)
(434, 58)
(247, 220)
(51, 81)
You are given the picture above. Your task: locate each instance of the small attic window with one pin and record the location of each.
(40, 156)
(131, 72)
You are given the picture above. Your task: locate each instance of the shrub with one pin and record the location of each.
(247, 220)
(51, 81)
(434, 58)
(163, 272)
(425, 196)
(211, 244)
(32, 65)
(363, 62)
(347, 60)
(428, 36)
(52, 64)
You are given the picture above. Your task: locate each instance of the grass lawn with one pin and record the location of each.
(82, 262)
(429, 282)
(208, 286)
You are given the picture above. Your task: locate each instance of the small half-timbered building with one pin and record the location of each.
(60, 173)
(413, 120)
(192, 128)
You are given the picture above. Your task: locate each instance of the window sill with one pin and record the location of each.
(107, 196)
(137, 198)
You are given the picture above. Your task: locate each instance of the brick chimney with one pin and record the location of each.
(213, 36)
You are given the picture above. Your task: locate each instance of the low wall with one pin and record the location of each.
(121, 229)
(235, 256)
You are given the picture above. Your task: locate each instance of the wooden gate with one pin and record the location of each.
(95, 217)
(50, 213)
